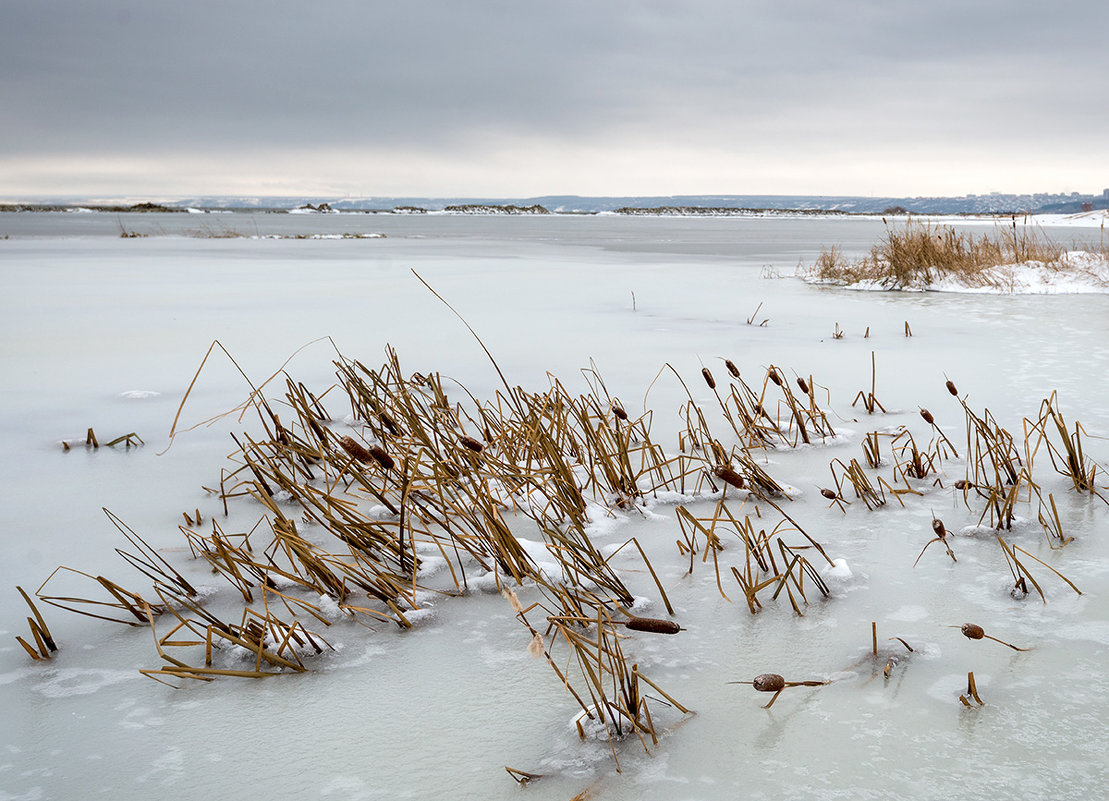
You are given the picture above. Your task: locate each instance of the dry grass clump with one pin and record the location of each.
(918, 254)
(418, 496)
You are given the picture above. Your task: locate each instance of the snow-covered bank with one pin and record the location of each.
(1098, 218)
(1080, 273)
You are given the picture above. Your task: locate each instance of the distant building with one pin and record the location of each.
(1105, 193)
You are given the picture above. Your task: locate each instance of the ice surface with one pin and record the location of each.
(444, 707)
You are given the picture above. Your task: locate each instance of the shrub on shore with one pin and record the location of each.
(918, 254)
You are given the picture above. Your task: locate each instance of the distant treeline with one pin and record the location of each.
(484, 208)
(716, 211)
(137, 207)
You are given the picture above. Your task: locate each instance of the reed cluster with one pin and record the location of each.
(917, 254)
(421, 495)
(999, 469)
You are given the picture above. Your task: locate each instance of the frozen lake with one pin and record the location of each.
(94, 324)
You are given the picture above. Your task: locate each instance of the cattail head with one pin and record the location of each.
(951, 388)
(472, 444)
(708, 378)
(769, 683)
(280, 433)
(731, 368)
(535, 647)
(618, 410)
(927, 415)
(963, 484)
(727, 474)
(829, 494)
(937, 526)
(972, 631)
(317, 429)
(652, 624)
(356, 450)
(772, 374)
(513, 601)
(389, 424)
(803, 384)
(381, 457)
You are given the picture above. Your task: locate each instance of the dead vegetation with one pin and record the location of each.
(426, 492)
(916, 254)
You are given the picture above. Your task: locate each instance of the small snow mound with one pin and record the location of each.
(379, 512)
(419, 616)
(602, 522)
(671, 498)
(488, 583)
(838, 570)
(331, 610)
(139, 394)
(608, 551)
(431, 565)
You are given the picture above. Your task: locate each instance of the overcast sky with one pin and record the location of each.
(523, 98)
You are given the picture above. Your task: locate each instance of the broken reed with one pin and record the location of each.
(44, 645)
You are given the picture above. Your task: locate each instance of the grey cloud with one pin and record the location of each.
(158, 77)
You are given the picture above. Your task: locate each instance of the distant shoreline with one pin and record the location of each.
(668, 205)
(1096, 217)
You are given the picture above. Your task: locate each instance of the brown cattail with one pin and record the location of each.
(731, 368)
(388, 422)
(772, 374)
(951, 388)
(973, 631)
(472, 444)
(804, 386)
(318, 430)
(829, 494)
(725, 473)
(708, 378)
(963, 484)
(652, 624)
(381, 457)
(928, 418)
(618, 410)
(769, 683)
(937, 526)
(356, 450)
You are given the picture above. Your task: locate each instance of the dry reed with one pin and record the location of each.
(917, 254)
